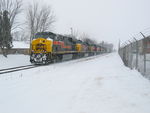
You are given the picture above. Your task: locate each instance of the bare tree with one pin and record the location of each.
(47, 19)
(86, 38)
(75, 33)
(31, 19)
(39, 19)
(14, 8)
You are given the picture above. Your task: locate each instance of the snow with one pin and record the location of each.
(14, 61)
(20, 44)
(98, 84)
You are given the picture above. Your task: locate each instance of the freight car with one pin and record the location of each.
(47, 47)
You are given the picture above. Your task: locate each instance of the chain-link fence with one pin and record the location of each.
(136, 55)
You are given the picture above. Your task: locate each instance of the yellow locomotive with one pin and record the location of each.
(49, 47)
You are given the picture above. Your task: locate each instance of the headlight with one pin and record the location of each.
(38, 56)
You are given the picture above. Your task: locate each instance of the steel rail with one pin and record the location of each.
(14, 69)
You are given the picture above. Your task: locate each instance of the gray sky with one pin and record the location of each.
(108, 20)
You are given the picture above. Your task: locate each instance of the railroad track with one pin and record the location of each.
(19, 68)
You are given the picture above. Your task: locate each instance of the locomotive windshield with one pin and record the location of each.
(44, 35)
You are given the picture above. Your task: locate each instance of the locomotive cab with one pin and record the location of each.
(41, 48)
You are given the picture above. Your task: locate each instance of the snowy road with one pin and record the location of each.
(99, 84)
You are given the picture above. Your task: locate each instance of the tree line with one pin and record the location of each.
(38, 18)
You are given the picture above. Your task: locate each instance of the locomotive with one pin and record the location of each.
(47, 47)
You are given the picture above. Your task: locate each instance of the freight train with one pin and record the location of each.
(47, 47)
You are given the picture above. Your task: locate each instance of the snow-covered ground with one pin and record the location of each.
(14, 60)
(100, 84)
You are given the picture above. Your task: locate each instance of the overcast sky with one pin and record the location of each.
(108, 20)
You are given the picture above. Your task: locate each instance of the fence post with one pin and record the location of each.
(127, 54)
(119, 47)
(145, 46)
(137, 52)
(144, 57)
(131, 55)
(124, 55)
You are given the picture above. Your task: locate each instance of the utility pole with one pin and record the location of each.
(71, 31)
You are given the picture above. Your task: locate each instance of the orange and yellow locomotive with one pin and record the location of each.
(49, 47)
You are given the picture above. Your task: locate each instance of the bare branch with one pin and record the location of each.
(14, 8)
(39, 18)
